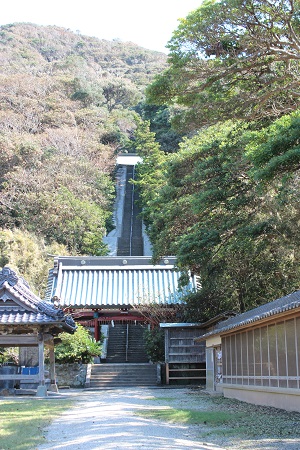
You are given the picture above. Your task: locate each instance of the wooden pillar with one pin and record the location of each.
(167, 355)
(97, 333)
(167, 374)
(53, 385)
(42, 389)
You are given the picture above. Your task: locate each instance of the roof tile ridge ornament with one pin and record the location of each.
(50, 310)
(8, 275)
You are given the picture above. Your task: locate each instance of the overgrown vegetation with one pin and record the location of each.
(223, 199)
(9, 355)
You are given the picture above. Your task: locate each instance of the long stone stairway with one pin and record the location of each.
(131, 241)
(126, 363)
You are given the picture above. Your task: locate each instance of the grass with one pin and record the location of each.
(188, 416)
(158, 399)
(22, 421)
(228, 418)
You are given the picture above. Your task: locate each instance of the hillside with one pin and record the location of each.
(66, 107)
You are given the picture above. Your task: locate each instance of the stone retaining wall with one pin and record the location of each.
(72, 375)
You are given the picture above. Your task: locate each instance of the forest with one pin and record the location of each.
(227, 202)
(217, 124)
(68, 105)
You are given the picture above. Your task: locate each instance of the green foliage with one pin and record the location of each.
(149, 174)
(78, 347)
(160, 124)
(155, 344)
(27, 254)
(275, 150)
(227, 61)
(236, 234)
(120, 93)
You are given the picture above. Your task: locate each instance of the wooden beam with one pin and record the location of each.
(26, 378)
(17, 340)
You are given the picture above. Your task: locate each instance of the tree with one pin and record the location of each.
(216, 218)
(149, 174)
(59, 135)
(28, 255)
(274, 150)
(160, 124)
(233, 59)
(120, 93)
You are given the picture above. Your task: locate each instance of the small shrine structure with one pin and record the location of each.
(28, 321)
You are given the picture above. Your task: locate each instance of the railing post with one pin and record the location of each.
(127, 332)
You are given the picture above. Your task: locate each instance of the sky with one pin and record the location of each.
(149, 24)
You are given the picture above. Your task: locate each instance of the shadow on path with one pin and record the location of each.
(107, 419)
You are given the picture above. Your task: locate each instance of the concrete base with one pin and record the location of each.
(288, 399)
(53, 388)
(41, 391)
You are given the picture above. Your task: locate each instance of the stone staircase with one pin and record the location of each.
(121, 375)
(126, 344)
(131, 241)
(136, 350)
(116, 346)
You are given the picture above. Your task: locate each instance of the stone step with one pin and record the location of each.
(116, 350)
(112, 375)
(123, 371)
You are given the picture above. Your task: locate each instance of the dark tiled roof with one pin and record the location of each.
(279, 306)
(27, 308)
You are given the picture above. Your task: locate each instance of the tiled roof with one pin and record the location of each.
(281, 305)
(23, 317)
(115, 282)
(19, 305)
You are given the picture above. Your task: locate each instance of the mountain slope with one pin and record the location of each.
(66, 107)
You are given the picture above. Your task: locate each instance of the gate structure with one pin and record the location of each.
(112, 290)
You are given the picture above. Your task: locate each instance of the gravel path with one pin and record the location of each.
(107, 419)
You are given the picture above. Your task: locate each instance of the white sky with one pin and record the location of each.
(149, 24)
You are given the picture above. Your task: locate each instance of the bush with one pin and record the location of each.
(79, 347)
(155, 344)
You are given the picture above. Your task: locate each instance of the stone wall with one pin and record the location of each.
(72, 375)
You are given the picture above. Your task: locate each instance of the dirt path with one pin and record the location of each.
(108, 419)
